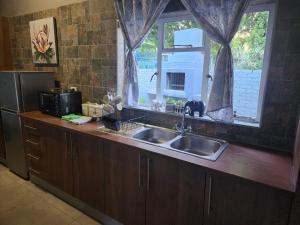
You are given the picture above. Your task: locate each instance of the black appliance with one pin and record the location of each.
(59, 102)
(19, 92)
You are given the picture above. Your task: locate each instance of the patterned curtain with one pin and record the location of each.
(220, 19)
(136, 18)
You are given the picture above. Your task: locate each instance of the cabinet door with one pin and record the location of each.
(2, 146)
(175, 192)
(88, 170)
(57, 157)
(124, 195)
(238, 202)
(295, 210)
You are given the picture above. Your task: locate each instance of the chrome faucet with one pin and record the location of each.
(182, 129)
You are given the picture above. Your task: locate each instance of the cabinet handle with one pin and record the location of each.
(74, 151)
(139, 170)
(33, 157)
(209, 195)
(68, 137)
(31, 142)
(34, 171)
(30, 127)
(148, 173)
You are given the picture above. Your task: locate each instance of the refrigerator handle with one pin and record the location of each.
(20, 94)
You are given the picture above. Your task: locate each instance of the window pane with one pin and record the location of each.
(146, 57)
(182, 34)
(175, 81)
(248, 48)
(182, 75)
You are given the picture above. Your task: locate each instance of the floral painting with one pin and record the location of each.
(43, 40)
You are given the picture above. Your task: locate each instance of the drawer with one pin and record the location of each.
(30, 149)
(30, 126)
(32, 142)
(34, 163)
(35, 172)
(27, 134)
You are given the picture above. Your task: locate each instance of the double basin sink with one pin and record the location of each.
(200, 146)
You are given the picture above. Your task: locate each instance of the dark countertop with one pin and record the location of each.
(265, 167)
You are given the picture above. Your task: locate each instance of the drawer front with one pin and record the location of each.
(30, 127)
(32, 136)
(32, 142)
(34, 164)
(29, 149)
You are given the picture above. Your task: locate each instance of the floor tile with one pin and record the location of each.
(35, 214)
(85, 220)
(7, 177)
(35, 189)
(15, 196)
(64, 207)
(53, 200)
(23, 203)
(74, 223)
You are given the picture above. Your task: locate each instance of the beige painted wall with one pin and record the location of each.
(20, 7)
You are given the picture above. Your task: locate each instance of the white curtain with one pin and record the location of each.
(136, 18)
(220, 19)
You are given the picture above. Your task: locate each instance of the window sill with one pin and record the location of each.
(204, 118)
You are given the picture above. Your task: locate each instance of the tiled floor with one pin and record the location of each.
(23, 203)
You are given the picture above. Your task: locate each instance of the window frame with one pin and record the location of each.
(271, 7)
(205, 50)
(185, 15)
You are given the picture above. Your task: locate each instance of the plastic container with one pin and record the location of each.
(85, 109)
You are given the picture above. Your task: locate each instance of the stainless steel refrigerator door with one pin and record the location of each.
(31, 84)
(9, 91)
(15, 155)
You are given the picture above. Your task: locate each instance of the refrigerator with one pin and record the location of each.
(19, 92)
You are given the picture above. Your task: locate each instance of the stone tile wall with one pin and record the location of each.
(87, 37)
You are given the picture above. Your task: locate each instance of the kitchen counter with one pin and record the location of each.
(265, 167)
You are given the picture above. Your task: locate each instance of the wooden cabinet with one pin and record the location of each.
(5, 53)
(124, 193)
(2, 145)
(175, 192)
(151, 189)
(35, 157)
(47, 153)
(137, 187)
(238, 202)
(295, 210)
(88, 170)
(58, 157)
(71, 162)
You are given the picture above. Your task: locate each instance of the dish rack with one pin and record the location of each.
(116, 124)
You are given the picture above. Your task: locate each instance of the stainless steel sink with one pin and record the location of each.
(155, 135)
(199, 146)
(196, 145)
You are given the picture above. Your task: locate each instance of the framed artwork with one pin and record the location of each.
(43, 41)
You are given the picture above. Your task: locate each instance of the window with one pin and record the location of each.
(175, 81)
(177, 56)
(170, 62)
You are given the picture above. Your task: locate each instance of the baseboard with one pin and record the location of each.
(102, 218)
